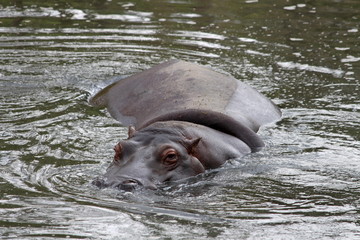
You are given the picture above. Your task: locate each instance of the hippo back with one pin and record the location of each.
(180, 87)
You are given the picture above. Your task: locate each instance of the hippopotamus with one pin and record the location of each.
(182, 119)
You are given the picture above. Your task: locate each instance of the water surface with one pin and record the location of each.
(305, 55)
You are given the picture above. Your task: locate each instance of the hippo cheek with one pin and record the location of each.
(189, 168)
(197, 166)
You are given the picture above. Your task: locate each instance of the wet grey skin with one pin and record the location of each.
(188, 119)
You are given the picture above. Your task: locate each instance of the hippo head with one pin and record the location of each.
(150, 157)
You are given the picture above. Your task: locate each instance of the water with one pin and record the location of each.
(305, 55)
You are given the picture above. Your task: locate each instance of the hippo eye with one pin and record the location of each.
(170, 157)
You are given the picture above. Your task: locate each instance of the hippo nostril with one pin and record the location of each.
(100, 183)
(125, 185)
(129, 185)
(130, 182)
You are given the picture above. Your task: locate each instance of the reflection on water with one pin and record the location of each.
(303, 55)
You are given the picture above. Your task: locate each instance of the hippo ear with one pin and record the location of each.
(192, 144)
(118, 150)
(131, 131)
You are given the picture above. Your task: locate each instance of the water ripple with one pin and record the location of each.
(305, 182)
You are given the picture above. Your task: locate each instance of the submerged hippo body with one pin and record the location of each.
(188, 118)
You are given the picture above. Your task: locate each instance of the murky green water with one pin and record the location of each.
(305, 55)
